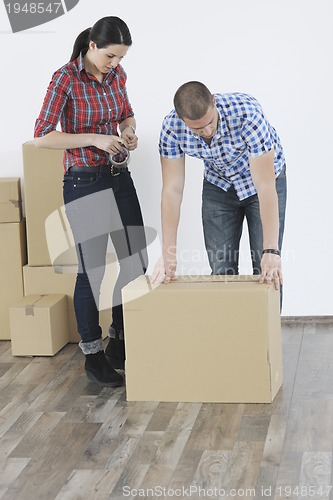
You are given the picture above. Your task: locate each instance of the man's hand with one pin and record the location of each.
(164, 273)
(271, 271)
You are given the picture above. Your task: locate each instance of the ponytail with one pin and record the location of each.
(107, 31)
(81, 44)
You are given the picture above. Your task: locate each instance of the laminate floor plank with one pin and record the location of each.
(10, 413)
(52, 463)
(58, 387)
(274, 441)
(162, 416)
(88, 484)
(211, 470)
(9, 375)
(310, 426)
(34, 440)
(186, 469)
(13, 437)
(315, 477)
(90, 408)
(130, 479)
(216, 427)
(243, 466)
(315, 368)
(288, 476)
(10, 469)
(5, 345)
(63, 438)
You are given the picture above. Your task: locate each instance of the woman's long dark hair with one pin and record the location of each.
(107, 31)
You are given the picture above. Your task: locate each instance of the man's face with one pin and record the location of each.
(206, 126)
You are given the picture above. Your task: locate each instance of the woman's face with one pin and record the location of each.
(108, 57)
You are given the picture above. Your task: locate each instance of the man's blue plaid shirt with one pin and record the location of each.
(242, 131)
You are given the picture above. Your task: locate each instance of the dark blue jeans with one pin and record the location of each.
(99, 205)
(223, 215)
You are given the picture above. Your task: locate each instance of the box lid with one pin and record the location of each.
(32, 302)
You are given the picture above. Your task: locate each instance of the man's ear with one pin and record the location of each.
(213, 100)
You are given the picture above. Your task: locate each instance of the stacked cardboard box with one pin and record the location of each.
(43, 184)
(12, 249)
(61, 280)
(10, 200)
(52, 261)
(208, 338)
(39, 325)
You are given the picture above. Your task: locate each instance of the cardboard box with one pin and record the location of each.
(12, 259)
(10, 199)
(61, 280)
(207, 339)
(39, 325)
(50, 240)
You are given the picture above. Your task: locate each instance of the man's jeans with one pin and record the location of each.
(223, 216)
(99, 205)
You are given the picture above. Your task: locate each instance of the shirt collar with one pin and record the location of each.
(222, 128)
(80, 65)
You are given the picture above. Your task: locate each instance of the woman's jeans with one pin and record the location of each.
(99, 205)
(223, 216)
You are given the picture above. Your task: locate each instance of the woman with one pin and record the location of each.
(88, 97)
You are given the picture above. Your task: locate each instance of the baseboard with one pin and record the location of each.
(306, 319)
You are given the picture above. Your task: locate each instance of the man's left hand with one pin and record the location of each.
(271, 271)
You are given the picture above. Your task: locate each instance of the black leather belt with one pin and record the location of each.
(100, 169)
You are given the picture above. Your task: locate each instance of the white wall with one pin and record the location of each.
(278, 50)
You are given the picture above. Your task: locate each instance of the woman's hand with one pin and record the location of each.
(130, 138)
(112, 144)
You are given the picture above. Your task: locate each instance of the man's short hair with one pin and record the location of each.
(192, 100)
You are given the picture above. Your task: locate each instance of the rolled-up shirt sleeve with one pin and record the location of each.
(54, 102)
(127, 111)
(169, 146)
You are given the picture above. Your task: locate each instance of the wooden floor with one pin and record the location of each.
(64, 438)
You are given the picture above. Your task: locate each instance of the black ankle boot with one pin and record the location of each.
(100, 372)
(115, 350)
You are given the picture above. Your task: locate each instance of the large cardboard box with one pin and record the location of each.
(10, 199)
(61, 280)
(39, 325)
(209, 339)
(50, 240)
(12, 259)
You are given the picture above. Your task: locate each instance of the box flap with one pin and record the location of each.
(210, 278)
(10, 190)
(30, 302)
(210, 283)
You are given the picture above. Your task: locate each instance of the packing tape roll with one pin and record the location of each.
(120, 160)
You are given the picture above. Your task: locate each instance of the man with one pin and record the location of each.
(244, 177)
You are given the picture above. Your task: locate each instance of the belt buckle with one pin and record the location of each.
(115, 171)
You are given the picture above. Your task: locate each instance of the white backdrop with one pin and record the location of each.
(278, 50)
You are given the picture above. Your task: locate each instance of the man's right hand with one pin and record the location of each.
(164, 273)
